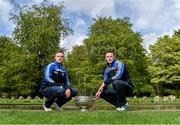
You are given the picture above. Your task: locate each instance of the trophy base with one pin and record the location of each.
(84, 110)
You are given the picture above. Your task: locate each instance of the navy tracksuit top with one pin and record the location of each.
(116, 71)
(55, 75)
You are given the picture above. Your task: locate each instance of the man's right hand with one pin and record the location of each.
(68, 93)
(98, 94)
(101, 88)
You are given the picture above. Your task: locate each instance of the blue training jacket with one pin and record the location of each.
(116, 71)
(55, 74)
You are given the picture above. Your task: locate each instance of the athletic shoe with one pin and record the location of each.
(46, 109)
(123, 108)
(55, 105)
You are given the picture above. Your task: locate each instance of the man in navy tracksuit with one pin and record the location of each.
(56, 87)
(117, 74)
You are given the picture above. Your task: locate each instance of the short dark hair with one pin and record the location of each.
(109, 51)
(59, 51)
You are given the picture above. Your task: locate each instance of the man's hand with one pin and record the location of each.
(68, 93)
(98, 94)
(101, 88)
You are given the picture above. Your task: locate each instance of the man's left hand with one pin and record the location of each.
(68, 93)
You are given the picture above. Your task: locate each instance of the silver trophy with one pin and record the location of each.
(84, 102)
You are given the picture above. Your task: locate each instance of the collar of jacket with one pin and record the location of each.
(58, 63)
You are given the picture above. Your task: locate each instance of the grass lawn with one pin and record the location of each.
(91, 117)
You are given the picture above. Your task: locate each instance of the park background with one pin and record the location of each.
(40, 29)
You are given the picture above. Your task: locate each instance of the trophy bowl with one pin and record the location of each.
(84, 102)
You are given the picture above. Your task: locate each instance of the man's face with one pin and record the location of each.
(109, 57)
(59, 57)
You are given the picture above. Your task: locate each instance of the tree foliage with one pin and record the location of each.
(37, 35)
(15, 69)
(38, 31)
(81, 71)
(165, 68)
(116, 35)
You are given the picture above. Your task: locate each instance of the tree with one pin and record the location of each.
(165, 68)
(116, 35)
(80, 70)
(14, 69)
(177, 33)
(38, 31)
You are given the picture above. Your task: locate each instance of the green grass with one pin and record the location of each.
(91, 117)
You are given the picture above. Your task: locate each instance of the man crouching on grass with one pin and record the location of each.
(117, 74)
(56, 87)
